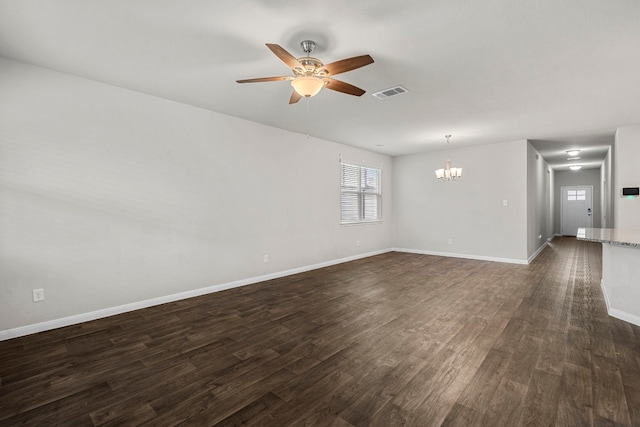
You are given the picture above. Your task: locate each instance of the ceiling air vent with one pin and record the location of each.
(392, 91)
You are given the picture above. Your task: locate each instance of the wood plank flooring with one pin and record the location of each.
(392, 340)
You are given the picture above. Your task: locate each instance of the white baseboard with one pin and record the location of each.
(465, 256)
(618, 314)
(622, 315)
(111, 311)
(606, 297)
(536, 253)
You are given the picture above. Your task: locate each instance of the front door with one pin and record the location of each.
(577, 209)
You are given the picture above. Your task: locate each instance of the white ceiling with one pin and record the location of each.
(562, 73)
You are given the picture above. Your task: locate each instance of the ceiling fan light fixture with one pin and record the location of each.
(310, 75)
(307, 86)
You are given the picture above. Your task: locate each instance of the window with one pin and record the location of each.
(360, 194)
(574, 195)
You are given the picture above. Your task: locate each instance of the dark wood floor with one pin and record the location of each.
(395, 339)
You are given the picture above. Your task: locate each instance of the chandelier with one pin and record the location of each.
(448, 173)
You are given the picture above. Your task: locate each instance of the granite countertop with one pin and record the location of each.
(613, 236)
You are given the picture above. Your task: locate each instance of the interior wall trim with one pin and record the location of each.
(618, 314)
(606, 297)
(537, 252)
(112, 311)
(623, 315)
(465, 256)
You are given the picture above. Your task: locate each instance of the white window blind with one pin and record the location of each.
(360, 193)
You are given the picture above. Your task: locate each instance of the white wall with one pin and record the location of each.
(579, 177)
(552, 203)
(108, 197)
(626, 174)
(620, 271)
(606, 182)
(427, 212)
(538, 201)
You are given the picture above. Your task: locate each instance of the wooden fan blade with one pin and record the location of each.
(266, 79)
(343, 87)
(347, 64)
(295, 97)
(285, 57)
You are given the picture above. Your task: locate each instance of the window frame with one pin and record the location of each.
(362, 193)
(576, 195)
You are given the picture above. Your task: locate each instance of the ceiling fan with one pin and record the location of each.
(311, 75)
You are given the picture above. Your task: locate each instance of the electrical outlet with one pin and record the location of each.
(451, 241)
(357, 242)
(505, 203)
(38, 295)
(265, 258)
